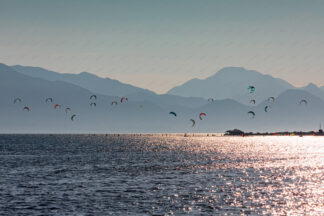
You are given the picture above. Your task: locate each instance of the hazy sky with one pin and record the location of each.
(157, 44)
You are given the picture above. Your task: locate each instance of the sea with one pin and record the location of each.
(160, 174)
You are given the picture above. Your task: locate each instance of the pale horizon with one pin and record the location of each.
(158, 45)
(180, 82)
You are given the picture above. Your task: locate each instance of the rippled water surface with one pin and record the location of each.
(144, 175)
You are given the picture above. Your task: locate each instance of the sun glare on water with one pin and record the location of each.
(161, 174)
(280, 175)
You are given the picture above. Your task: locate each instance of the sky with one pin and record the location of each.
(157, 44)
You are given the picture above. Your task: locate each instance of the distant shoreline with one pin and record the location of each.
(237, 132)
(248, 134)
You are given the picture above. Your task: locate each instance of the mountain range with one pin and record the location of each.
(86, 80)
(146, 111)
(228, 83)
(232, 82)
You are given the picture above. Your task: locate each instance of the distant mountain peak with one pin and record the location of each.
(314, 90)
(232, 70)
(86, 73)
(232, 83)
(311, 85)
(240, 73)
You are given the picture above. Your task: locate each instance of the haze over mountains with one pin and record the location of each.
(147, 111)
(232, 82)
(107, 86)
(228, 83)
(86, 80)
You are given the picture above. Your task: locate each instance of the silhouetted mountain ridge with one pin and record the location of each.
(314, 90)
(145, 112)
(86, 80)
(232, 82)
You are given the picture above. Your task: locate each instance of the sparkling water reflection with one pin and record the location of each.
(118, 175)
